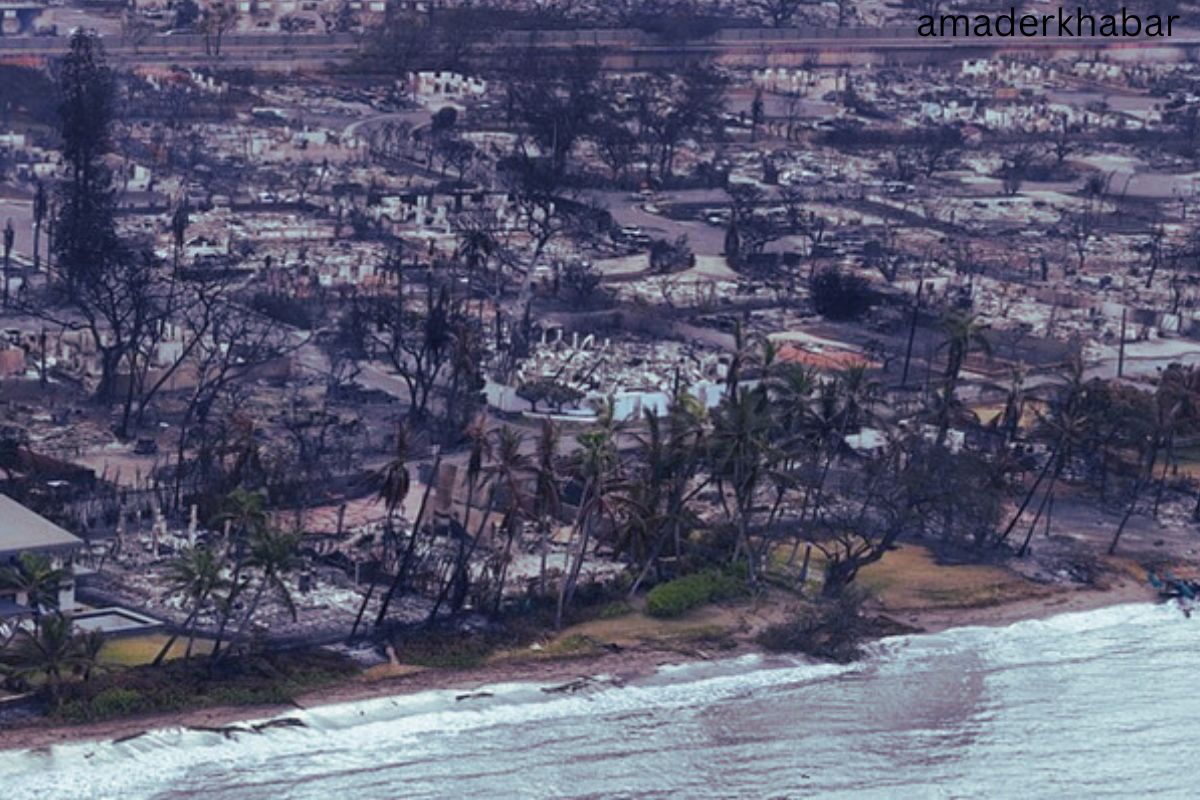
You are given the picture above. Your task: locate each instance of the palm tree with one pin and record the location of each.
(197, 574)
(53, 651)
(275, 554)
(244, 512)
(40, 206)
(1067, 425)
(1174, 399)
(480, 450)
(547, 495)
(511, 469)
(741, 453)
(598, 466)
(792, 388)
(90, 644)
(638, 538)
(395, 482)
(246, 517)
(476, 247)
(36, 577)
(964, 333)
(859, 393)
(1008, 422)
(180, 220)
(748, 351)
(670, 454)
(398, 581)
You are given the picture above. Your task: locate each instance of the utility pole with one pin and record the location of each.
(1121, 346)
(912, 328)
(10, 237)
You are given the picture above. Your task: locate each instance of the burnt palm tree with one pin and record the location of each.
(180, 219)
(1008, 421)
(964, 333)
(10, 236)
(400, 579)
(40, 207)
(395, 481)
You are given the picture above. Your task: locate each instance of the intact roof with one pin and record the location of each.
(823, 360)
(21, 530)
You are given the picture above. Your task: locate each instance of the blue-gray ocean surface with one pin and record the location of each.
(1097, 704)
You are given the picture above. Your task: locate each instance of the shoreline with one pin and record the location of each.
(627, 664)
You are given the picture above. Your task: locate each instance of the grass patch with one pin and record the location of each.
(677, 597)
(134, 651)
(572, 645)
(614, 610)
(910, 578)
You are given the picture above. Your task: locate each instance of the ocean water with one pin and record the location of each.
(1097, 704)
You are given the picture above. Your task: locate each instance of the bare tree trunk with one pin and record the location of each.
(166, 648)
(1033, 525)
(567, 590)
(250, 612)
(1133, 501)
(464, 563)
(1029, 496)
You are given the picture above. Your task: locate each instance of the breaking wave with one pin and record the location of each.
(1099, 703)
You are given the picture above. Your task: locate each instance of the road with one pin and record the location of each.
(704, 239)
(623, 49)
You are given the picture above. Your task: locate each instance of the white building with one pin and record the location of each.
(22, 531)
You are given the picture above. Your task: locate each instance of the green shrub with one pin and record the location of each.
(248, 695)
(262, 679)
(112, 702)
(445, 651)
(674, 598)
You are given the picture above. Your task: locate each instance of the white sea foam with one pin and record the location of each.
(939, 715)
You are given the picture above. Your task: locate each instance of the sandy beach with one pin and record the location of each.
(629, 662)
